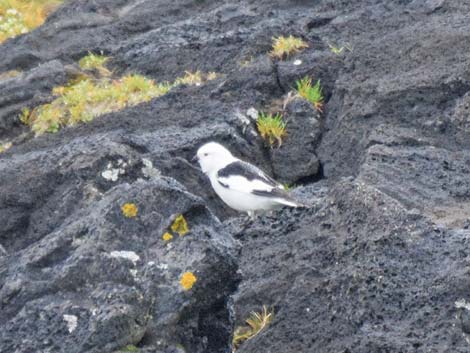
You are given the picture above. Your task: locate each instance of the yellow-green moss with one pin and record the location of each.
(21, 16)
(255, 324)
(9, 74)
(129, 349)
(272, 128)
(180, 226)
(313, 94)
(285, 46)
(86, 98)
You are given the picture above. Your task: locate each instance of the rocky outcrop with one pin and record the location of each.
(378, 263)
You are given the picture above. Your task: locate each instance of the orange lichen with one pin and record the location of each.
(129, 210)
(167, 236)
(180, 226)
(187, 280)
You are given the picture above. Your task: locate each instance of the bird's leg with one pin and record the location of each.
(251, 214)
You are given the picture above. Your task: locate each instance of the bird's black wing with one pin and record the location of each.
(247, 178)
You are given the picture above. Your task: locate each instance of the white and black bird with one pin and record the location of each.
(241, 185)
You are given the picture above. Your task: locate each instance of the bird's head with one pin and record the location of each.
(212, 157)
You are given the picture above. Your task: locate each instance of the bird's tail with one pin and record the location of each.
(291, 202)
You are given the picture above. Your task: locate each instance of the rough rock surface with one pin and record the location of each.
(380, 262)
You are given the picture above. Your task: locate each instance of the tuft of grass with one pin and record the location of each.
(195, 78)
(256, 323)
(129, 349)
(335, 50)
(272, 128)
(95, 62)
(21, 16)
(285, 46)
(313, 94)
(339, 50)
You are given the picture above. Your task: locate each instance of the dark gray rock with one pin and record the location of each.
(27, 90)
(356, 273)
(103, 281)
(378, 263)
(295, 159)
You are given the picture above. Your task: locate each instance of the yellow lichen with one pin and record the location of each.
(21, 16)
(167, 236)
(129, 210)
(285, 46)
(187, 280)
(180, 225)
(256, 323)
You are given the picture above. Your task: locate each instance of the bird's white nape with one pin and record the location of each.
(213, 156)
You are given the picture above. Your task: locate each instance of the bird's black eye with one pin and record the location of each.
(206, 154)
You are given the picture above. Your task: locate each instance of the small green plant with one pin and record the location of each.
(288, 186)
(337, 50)
(256, 323)
(272, 128)
(313, 94)
(95, 62)
(285, 46)
(129, 349)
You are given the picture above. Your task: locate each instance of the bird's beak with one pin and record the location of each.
(195, 159)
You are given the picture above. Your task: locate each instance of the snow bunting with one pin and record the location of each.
(241, 185)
